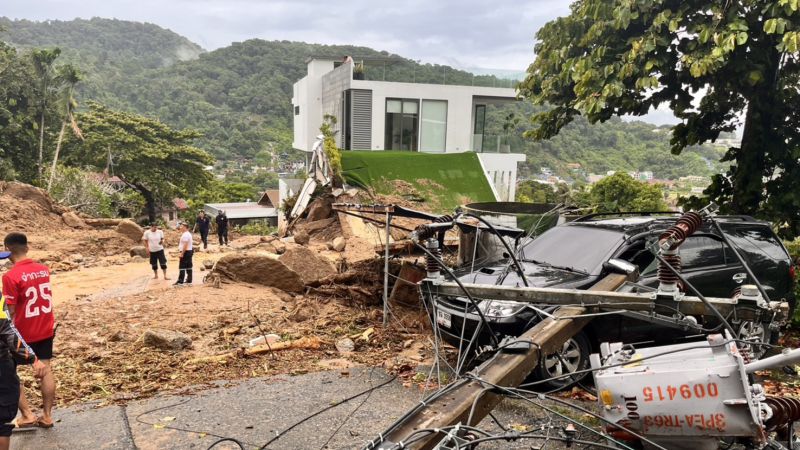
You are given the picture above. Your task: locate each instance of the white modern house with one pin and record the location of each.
(389, 115)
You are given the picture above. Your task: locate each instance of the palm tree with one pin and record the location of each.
(43, 64)
(68, 76)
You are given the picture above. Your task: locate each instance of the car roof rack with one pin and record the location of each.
(589, 217)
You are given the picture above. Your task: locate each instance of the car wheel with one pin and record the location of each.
(573, 356)
(755, 333)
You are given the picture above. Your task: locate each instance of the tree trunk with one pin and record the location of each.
(55, 157)
(150, 201)
(41, 146)
(759, 144)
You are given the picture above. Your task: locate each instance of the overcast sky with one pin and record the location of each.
(466, 34)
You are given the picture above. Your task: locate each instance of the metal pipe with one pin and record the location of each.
(386, 272)
(788, 357)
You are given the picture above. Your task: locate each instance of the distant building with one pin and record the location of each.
(169, 212)
(270, 198)
(573, 166)
(594, 178)
(242, 213)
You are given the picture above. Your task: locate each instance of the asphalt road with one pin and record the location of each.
(256, 410)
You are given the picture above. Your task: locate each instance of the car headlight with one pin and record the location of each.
(499, 308)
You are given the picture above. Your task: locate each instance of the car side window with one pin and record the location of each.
(701, 251)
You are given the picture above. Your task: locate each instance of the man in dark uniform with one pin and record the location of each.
(203, 224)
(13, 350)
(222, 227)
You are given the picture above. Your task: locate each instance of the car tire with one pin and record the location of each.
(574, 357)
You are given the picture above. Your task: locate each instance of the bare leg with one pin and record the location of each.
(48, 386)
(5, 443)
(165, 274)
(28, 417)
(155, 274)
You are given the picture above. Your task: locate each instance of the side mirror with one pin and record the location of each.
(620, 266)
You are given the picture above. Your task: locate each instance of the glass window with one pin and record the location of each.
(402, 124)
(433, 127)
(581, 248)
(702, 252)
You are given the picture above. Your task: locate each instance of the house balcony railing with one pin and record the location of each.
(493, 143)
(409, 72)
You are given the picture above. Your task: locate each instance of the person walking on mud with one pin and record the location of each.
(29, 302)
(203, 224)
(222, 227)
(153, 240)
(185, 248)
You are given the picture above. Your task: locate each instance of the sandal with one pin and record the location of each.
(22, 425)
(42, 424)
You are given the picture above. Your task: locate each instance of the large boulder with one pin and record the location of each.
(245, 242)
(307, 263)
(259, 269)
(30, 193)
(338, 244)
(166, 339)
(130, 229)
(301, 237)
(139, 251)
(320, 209)
(73, 220)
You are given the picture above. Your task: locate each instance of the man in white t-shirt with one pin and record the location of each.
(153, 240)
(186, 250)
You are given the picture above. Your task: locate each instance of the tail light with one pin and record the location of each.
(793, 272)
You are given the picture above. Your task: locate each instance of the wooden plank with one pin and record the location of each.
(507, 369)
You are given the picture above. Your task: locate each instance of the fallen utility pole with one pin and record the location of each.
(644, 302)
(508, 368)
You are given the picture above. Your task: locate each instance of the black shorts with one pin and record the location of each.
(9, 395)
(43, 349)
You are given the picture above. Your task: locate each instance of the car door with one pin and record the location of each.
(704, 266)
(766, 257)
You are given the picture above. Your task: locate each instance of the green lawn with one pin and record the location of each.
(444, 181)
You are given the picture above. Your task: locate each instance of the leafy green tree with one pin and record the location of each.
(709, 61)
(620, 192)
(69, 76)
(154, 159)
(530, 191)
(43, 60)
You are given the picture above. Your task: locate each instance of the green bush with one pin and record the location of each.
(794, 251)
(257, 229)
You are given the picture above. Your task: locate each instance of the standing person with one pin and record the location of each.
(153, 240)
(222, 227)
(13, 350)
(186, 251)
(203, 224)
(26, 288)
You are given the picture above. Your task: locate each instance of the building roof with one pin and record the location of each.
(243, 210)
(270, 198)
(180, 203)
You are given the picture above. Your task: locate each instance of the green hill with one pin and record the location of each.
(239, 96)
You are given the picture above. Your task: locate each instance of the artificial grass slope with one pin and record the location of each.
(444, 181)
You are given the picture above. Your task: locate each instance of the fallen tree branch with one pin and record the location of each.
(307, 343)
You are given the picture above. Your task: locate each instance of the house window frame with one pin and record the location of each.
(387, 137)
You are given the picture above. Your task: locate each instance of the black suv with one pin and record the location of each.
(575, 255)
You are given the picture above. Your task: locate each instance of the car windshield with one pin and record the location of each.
(577, 247)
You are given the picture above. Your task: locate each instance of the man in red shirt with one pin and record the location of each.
(26, 288)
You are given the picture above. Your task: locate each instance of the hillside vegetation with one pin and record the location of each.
(239, 97)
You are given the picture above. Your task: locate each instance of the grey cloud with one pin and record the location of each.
(466, 33)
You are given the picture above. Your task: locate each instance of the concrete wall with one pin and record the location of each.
(307, 95)
(501, 171)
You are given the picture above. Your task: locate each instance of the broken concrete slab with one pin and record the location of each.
(131, 230)
(166, 339)
(259, 268)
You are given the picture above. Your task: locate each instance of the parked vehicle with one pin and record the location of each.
(575, 255)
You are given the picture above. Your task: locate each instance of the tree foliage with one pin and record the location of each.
(620, 192)
(710, 62)
(151, 157)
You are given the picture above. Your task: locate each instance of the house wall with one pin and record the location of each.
(307, 95)
(459, 107)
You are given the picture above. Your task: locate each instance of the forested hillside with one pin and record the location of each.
(239, 97)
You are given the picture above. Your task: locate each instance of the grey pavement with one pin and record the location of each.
(253, 412)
